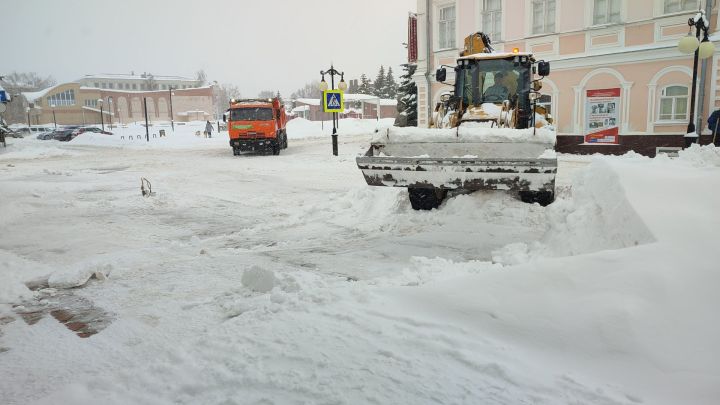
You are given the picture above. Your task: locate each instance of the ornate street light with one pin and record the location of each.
(702, 50)
(324, 87)
(102, 119)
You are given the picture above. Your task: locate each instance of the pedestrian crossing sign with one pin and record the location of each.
(333, 101)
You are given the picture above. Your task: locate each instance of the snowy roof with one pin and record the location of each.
(113, 76)
(382, 101)
(301, 108)
(140, 91)
(309, 101)
(34, 95)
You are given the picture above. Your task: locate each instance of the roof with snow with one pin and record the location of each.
(113, 76)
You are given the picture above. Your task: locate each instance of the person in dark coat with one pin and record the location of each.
(208, 129)
(714, 125)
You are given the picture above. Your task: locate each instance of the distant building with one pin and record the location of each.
(77, 103)
(625, 50)
(139, 82)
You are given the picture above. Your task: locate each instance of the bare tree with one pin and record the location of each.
(266, 94)
(310, 90)
(16, 83)
(200, 78)
(224, 93)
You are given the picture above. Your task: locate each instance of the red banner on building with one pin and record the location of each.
(412, 38)
(602, 117)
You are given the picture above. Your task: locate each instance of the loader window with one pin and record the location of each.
(251, 114)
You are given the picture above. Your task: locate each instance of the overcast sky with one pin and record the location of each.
(256, 45)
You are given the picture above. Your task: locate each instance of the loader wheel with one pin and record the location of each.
(543, 198)
(426, 198)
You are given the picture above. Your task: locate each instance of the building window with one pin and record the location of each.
(543, 16)
(91, 103)
(164, 87)
(492, 19)
(545, 101)
(97, 85)
(111, 85)
(675, 6)
(65, 98)
(446, 27)
(134, 86)
(674, 103)
(606, 12)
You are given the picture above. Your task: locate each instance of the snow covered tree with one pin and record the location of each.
(407, 98)
(379, 84)
(365, 86)
(390, 88)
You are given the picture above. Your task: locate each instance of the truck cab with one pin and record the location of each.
(256, 125)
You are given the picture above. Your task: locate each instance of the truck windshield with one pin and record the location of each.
(251, 114)
(492, 81)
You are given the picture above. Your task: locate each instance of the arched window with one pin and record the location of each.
(674, 103)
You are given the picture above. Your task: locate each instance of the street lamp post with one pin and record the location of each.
(102, 119)
(110, 109)
(341, 86)
(54, 119)
(172, 117)
(702, 50)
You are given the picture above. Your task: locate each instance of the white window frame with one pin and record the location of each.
(695, 5)
(496, 35)
(608, 3)
(545, 29)
(662, 96)
(451, 40)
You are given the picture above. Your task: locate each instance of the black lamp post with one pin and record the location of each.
(341, 86)
(172, 118)
(102, 119)
(54, 119)
(702, 50)
(110, 110)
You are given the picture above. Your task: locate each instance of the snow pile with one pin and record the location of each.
(597, 217)
(302, 128)
(465, 134)
(78, 275)
(701, 156)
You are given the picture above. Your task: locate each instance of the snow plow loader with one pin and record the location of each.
(487, 134)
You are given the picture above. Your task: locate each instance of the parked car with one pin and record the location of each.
(20, 131)
(47, 135)
(91, 129)
(64, 135)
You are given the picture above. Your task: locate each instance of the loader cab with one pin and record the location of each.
(495, 78)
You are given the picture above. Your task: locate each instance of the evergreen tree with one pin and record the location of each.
(379, 84)
(390, 89)
(366, 86)
(407, 98)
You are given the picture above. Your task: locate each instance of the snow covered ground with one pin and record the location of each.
(285, 279)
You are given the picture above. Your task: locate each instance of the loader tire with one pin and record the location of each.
(426, 198)
(543, 198)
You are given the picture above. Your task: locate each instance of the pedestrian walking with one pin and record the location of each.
(713, 122)
(208, 129)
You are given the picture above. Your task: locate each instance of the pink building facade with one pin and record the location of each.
(629, 46)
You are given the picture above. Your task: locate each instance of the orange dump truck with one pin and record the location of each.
(256, 125)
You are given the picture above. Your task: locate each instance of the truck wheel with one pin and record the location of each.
(276, 148)
(543, 198)
(236, 152)
(426, 198)
(285, 142)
